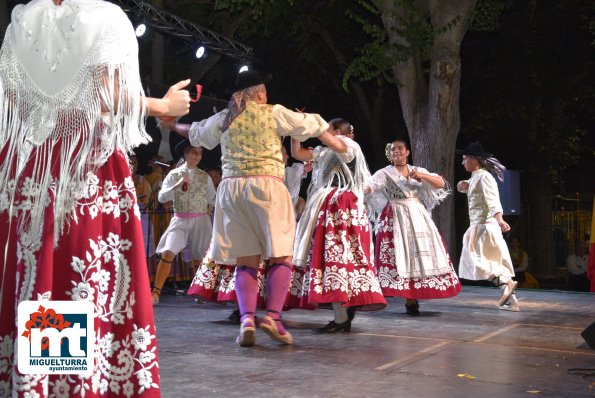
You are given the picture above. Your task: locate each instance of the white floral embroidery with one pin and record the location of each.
(336, 279)
(61, 388)
(390, 280)
(115, 199)
(141, 338)
(95, 280)
(128, 389)
(215, 278)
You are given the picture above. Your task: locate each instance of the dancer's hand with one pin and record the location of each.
(416, 175)
(177, 99)
(463, 186)
(184, 180)
(308, 167)
(504, 227)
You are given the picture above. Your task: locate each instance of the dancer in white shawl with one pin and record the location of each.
(71, 109)
(485, 254)
(333, 245)
(411, 259)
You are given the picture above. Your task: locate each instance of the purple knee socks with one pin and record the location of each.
(246, 290)
(279, 278)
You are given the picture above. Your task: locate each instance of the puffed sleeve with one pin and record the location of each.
(300, 126)
(349, 154)
(167, 191)
(207, 132)
(489, 187)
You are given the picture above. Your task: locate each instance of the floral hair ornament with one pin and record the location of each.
(387, 151)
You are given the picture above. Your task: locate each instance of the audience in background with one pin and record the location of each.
(577, 264)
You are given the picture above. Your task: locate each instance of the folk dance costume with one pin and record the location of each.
(69, 221)
(333, 248)
(216, 282)
(191, 225)
(485, 255)
(253, 210)
(411, 259)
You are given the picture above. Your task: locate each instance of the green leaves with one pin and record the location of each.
(486, 15)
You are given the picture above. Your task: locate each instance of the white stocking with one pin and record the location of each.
(340, 313)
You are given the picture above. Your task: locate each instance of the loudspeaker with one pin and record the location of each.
(510, 193)
(589, 335)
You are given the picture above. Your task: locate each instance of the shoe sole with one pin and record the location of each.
(504, 298)
(504, 308)
(247, 337)
(273, 333)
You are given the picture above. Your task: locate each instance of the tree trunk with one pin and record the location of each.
(371, 111)
(431, 110)
(444, 119)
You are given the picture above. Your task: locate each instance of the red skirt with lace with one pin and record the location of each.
(340, 267)
(99, 258)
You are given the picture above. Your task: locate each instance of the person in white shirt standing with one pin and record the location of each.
(485, 255)
(192, 191)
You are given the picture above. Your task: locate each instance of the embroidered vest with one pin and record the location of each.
(194, 200)
(251, 146)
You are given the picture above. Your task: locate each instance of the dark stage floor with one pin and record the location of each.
(460, 347)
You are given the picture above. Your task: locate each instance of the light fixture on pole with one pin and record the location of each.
(243, 68)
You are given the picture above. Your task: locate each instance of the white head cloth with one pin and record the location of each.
(70, 94)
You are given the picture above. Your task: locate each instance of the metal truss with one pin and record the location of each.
(172, 25)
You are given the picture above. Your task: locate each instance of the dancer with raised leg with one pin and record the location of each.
(485, 255)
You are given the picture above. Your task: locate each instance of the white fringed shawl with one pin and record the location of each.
(331, 171)
(70, 91)
(388, 185)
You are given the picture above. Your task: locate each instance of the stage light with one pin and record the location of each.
(200, 52)
(140, 29)
(244, 68)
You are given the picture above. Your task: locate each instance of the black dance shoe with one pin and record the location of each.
(234, 317)
(412, 309)
(351, 313)
(333, 327)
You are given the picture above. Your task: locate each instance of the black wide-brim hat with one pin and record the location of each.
(474, 149)
(247, 79)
